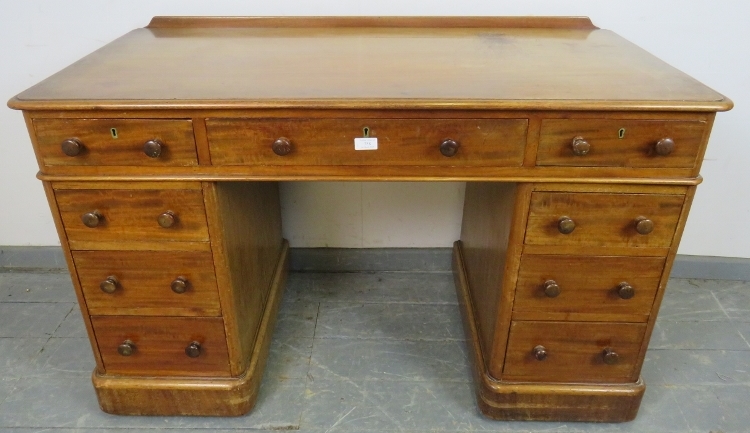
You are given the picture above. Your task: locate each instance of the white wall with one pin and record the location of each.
(706, 39)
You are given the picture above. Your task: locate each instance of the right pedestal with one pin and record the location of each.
(559, 287)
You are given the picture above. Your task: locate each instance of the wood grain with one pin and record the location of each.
(485, 230)
(602, 220)
(140, 184)
(144, 283)
(372, 67)
(672, 253)
(201, 141)
(376, 21)
(588, 287)
(654, 187)
(635, 149)
(574, 351)
(483, 142)
(50, 195)
(245, 225)
(609, 402)
(175, 396)
(600, 175)
(130, 215)
(103, 149)
(160, 345)
(585, 250)
(217, 396)
(510, 90)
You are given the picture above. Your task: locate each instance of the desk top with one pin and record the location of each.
(351, 63)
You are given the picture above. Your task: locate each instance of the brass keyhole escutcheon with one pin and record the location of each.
(621, 133)
(366, 131)
(113, 131)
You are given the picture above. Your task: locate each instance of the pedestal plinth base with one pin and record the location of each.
(540, 401)
(134, 395)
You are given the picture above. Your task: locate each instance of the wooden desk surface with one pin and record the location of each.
(482, 63)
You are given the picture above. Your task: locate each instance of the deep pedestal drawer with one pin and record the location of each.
(96, 216)
(602, 219)
(591, 288)
(573, 352)
(162, 346)
(155, 283)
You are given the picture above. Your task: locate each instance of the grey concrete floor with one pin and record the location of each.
(373, 352)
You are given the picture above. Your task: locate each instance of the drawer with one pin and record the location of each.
(573, 351)
(602, 219)
(166, 283)
(587, 287)
(481, 142)
(620, 143)
(118, 216)
(116, 142)
(162, 346)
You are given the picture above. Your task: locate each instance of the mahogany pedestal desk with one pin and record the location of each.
(160, 155)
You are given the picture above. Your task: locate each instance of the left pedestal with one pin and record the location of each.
(179, 284)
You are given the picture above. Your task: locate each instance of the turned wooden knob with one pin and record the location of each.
(551, 288)
(580, 146)
(72, 146)
(539, 352)
(449, 147)
(167, 219)
(92, 219)
(625, 290)
(153, 148)
(193, 349)
(282, 146)
(664, 147)
(644, 225)
(109, 285)
(126, 348)
(566, 225)
(179, 285)
(609, 356)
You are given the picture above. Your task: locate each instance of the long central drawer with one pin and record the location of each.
(469, 142)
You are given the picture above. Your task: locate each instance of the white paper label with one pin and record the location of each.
(369, 143)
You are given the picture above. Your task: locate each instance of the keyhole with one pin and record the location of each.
(113, 131)
(366, 131)
(621, 133)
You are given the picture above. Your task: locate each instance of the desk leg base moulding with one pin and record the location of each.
(539, 401)
(195, 396)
